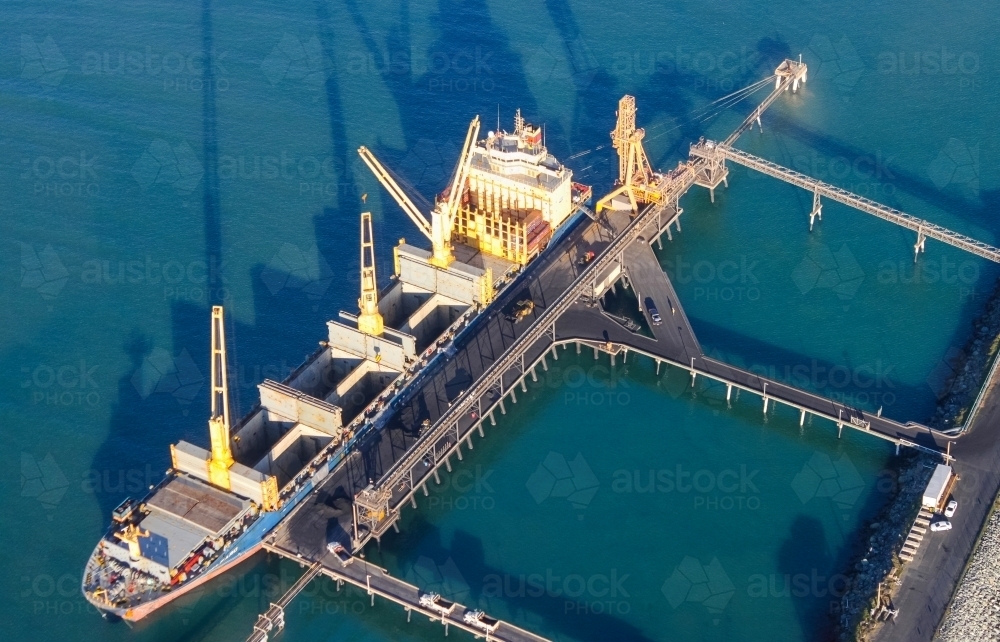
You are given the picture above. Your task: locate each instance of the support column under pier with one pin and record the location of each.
(817, 210)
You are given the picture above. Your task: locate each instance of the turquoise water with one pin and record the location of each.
(159, 158)
(643, 512)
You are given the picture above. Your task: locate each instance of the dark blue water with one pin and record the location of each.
(158, 158)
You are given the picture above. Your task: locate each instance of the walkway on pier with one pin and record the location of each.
(820, 189)
(376, 581)
(273, 620)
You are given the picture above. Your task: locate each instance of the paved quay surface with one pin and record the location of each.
(930, 580)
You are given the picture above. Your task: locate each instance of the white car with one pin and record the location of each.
(944, 525)
(949, 510)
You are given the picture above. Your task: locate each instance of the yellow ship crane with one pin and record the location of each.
(130, 537)
(439, 228)
(370, 320)
(635, 175)
(445, 210)
(218, 424)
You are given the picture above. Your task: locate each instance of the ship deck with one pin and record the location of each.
(326, 515)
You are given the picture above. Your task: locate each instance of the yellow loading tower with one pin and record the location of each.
(636, 177)
(369, 320)
(218, 424)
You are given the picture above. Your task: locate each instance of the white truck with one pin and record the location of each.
(436, 603)
(481, 621)
(937, 487)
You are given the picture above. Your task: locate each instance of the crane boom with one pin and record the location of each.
(445, 210)
(370, 319)
(462, 171)
(382, 174)
(218, 424)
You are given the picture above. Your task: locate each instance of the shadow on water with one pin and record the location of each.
(162, 398)
(787, 366)
(596, 92)
(816, 573)
(485, 582)
(802, 559)
(470, 51)
(950, 200)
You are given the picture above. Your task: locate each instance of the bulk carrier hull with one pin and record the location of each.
(242, 549)
(216, 506)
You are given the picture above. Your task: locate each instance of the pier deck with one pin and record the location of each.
(376, 581)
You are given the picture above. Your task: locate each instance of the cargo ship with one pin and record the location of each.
(215, 505)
